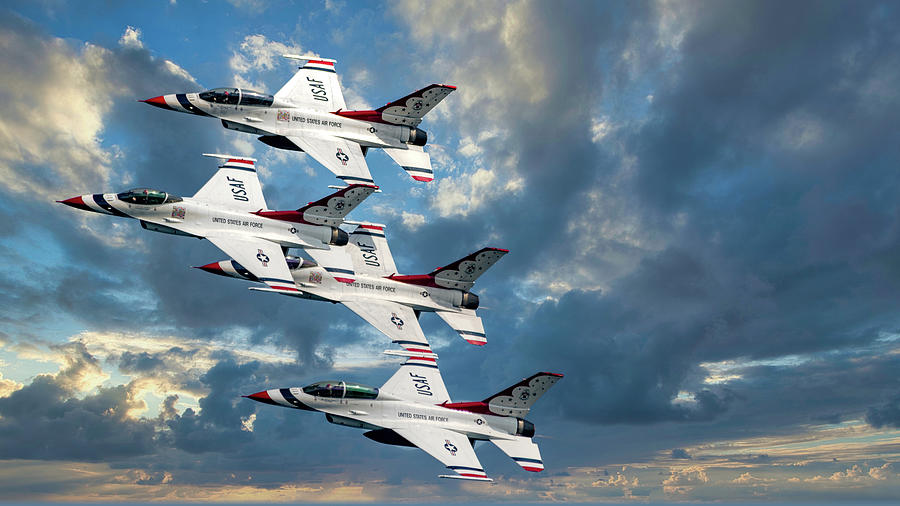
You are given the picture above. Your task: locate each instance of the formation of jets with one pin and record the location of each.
(355, 269)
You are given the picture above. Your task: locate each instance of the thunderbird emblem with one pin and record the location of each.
(450, 447)
(263, 258)
(396, 320)
(343, 157)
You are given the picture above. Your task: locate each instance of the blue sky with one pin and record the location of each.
(699, 199)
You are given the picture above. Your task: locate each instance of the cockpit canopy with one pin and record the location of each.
(341, 390)
(237, 96)
(147, 197)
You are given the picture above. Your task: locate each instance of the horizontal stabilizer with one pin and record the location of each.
(467, 323)
(415, 161)
(523, 451)
(460, 477)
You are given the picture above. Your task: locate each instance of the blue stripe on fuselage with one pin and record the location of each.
(100, 201)
(182, 99)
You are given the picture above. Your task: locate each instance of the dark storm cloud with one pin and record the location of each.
(885, 415)
(765, 163)
(44, 420)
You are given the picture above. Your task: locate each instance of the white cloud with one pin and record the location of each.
(8, 386)
(749, 479)
(412, 221)
(54, 104)
(600, 128)
(256, 54)
(683, 480)
(247, 423)
(131, 38)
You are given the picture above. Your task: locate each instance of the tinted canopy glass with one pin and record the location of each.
(340, 389)
(146, 197)
(221, 96)
(255, 98)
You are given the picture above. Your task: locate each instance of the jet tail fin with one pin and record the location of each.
(523, 451)
(410, 109)
(235, 184)
(517, 399)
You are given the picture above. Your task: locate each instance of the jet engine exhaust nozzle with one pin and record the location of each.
(469, 300)
(339, 237)
(417, 137)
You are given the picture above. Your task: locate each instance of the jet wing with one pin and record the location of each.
(335, 261)
(314, 86)
(451, 448)
(394, 320)
(264, 259)
(342, 157)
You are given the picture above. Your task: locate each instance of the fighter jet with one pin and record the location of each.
(309, 114)
(230, 212)
(414, 409)
(391, 302)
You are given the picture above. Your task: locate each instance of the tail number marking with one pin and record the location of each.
(238, 192)
(421, 384)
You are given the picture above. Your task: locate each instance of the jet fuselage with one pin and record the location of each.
(315, 282)
(386, 411)
(282, 119)
(187, 216)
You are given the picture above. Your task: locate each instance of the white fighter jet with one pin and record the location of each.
(309, 114)
(230, 211)
(391, 302)
(414, 409)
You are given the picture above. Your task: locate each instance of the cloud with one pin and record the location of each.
(131, 38)
(258, 57)
(885, 415)
(56, 100)
(680, 453)
(412, 221)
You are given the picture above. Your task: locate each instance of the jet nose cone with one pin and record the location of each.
(76, 202)
(213, 268)
(159, 101)
(261, 397)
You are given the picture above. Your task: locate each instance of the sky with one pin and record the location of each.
(699, 199)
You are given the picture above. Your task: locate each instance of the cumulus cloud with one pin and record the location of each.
(55, 104)
(255, 54)
(131, 38)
